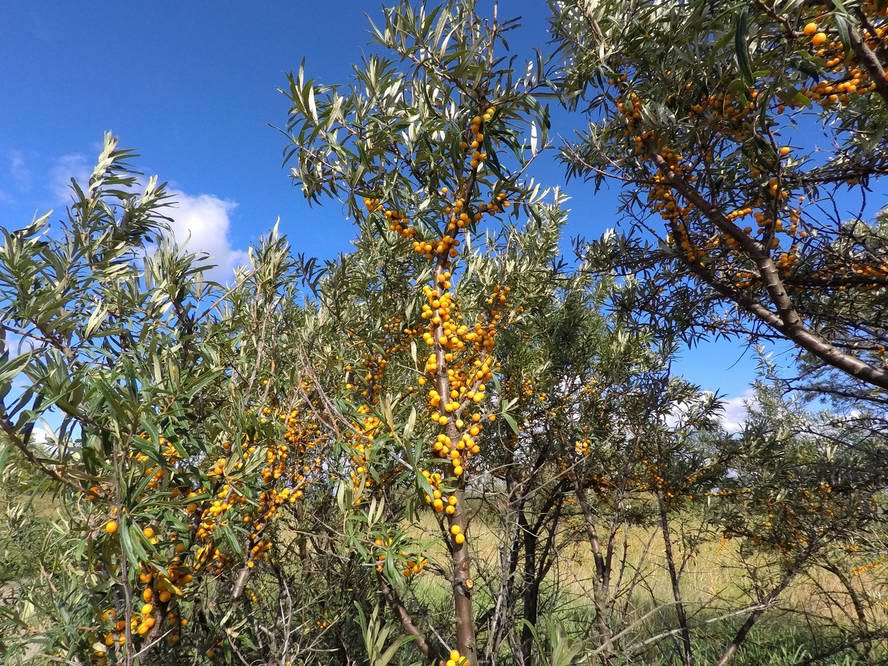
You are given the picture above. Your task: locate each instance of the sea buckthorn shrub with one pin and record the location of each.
(751, 138)
(427, 157)
(452, 444)
(749, 143)
(144, 403)
(428, 150)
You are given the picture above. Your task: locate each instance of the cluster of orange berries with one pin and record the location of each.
(362, 447)
(465, 447)
(440, 504)
(213, 511)
(302, 435)
(275, 463)
(857, 82)
(786, 260)
(866, 567)
(446, 245)
(412, 565)
(371, 378)
(284, 480)
(157, 597)
(693, 253)
(211, 506)
(666, 205)
(581, 447)
(455, 659)
(459, 215)
(373, 367)
(458, 537)
(789, 523)
(156, 474)
(476, 138)
(141, 624)
(381, 556)
(465, 383)
(630, 107)
(435, 479)
(731, 115)
(398, 223)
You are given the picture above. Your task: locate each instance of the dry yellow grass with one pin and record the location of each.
(715, 579)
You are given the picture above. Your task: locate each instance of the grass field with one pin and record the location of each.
(714, 583)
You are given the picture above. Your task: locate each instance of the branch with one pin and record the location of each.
(870, 62)
(741, 634)
(787, 319)
(22, 445)
(403, 616)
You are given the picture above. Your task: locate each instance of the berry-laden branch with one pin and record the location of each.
(786, 320)
(867, 57)
(458, 365)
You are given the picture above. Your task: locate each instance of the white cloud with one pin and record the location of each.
(201, 223)
(19, 170)
(64, 168)
(42, 435)
(732, 416)
(734, 411)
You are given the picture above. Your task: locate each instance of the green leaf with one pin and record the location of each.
(793, 97)
(12, 367)
(390, 652)
(4, 456)
(411, 423)
(843, 21)
(228, 533)
(131, 540)
(511, 421)
(741, 45)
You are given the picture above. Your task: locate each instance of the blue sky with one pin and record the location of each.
(192, 86)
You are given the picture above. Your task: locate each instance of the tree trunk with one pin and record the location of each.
(602, 568)
(530, 593)
(686, 651)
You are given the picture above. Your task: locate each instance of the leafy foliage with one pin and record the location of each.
(453, 444)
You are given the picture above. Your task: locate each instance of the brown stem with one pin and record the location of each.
(687, 654)
(509, 566)
(394, 602)
(870, 62)
(601, 585)
(530, 593)
(754, 616)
